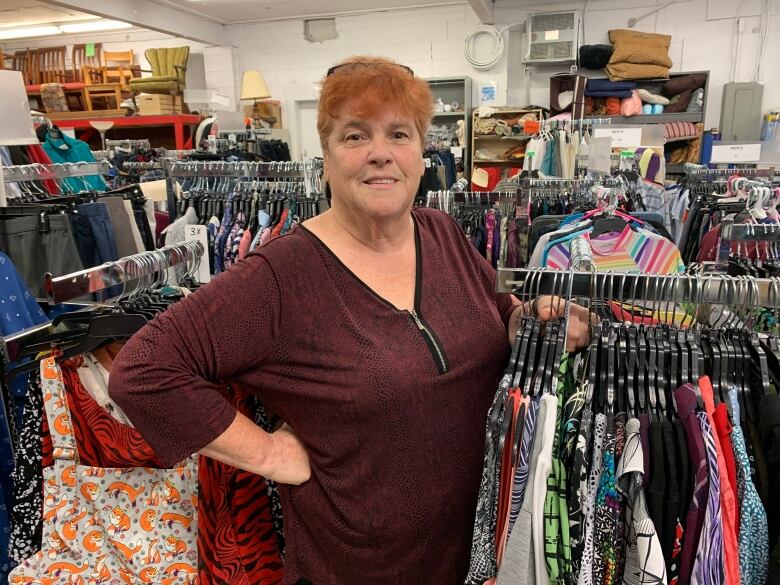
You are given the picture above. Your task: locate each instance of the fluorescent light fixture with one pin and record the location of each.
(94, 26)
(33, 31)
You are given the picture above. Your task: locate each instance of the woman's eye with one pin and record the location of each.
(400, 135)
(353, 137)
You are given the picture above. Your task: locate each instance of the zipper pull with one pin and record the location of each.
(417, 321)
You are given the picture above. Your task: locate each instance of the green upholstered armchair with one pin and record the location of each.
(169, 67)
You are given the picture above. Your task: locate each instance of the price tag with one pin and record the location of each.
(199, 233)
(427, 163)
(457, 151)
(551, 35)
(263, 131)
(621, 137)
(728, 153)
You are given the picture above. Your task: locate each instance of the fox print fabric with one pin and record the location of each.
(133, 525)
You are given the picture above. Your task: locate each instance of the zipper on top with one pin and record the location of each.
(431, 341)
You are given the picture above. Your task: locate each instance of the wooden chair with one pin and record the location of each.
(98, 90)
(80, 59)
(3, 58)
(51, 65)
(119, 68)
(23, 61)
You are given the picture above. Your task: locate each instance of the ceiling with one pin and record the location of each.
(237, 11)
(20, 13)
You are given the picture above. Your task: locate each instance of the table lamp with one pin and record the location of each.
(253, 87)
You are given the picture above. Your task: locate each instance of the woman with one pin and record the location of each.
(374, 331)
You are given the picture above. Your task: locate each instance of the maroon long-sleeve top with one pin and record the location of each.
(391, 409)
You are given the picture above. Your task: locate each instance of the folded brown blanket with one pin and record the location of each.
(679, 102)
(618, 71)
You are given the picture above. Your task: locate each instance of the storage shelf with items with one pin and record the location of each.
(633, 101)
(451, 123)
(500, 139)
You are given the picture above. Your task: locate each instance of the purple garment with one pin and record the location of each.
(686, 405)
(496, 242)
(511, 242)
(644, 435)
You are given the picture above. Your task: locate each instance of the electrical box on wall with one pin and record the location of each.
(740, 114)
(552, 37)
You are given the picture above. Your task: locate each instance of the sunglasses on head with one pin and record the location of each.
(335, 68)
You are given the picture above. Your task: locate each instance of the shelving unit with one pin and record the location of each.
(656, 118)
(500, 143)
(449, 90)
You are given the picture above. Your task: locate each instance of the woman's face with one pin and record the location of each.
(373, 166)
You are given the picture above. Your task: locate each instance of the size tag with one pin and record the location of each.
(621, 137)
(457, 151)
(427, 163)
(199, 233)
(728, 153)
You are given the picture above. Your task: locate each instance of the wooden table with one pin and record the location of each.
(183, 126)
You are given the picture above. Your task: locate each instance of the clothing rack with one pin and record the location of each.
(141, 166)
(129, 143)
(248, 169)
(704, 172)
(42, 172)
(677, 288)
(552, 124)
(60, 289)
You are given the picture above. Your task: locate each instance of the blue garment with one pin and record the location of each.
(263, 219)
(18, 310)
(72, 150)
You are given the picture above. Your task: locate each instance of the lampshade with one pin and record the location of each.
(253, 86)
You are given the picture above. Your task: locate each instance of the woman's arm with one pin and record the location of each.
(279, 456)
(169, 376)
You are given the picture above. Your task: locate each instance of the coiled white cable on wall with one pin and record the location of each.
(498, 49)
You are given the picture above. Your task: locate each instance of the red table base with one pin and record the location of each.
(179, 123)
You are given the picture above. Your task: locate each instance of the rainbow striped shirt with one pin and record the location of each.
(626, 251)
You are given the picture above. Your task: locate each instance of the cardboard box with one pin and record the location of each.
(267, 109)
(158, 104)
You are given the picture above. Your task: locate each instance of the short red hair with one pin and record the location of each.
(380, 83)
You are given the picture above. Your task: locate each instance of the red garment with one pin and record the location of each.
(236, 540)
(508, 469)
(278, 228)
(38, 155)
(102, 440)
(724, 427)
(708, 250)
(494, 178)
(613, 106)
(728, 501)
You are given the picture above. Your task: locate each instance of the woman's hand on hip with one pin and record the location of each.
(288, 461)
(550, 308)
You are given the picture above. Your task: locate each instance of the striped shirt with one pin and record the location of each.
(708, 568)
(626, 251)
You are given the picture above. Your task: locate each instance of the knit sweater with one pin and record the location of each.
(392, 417)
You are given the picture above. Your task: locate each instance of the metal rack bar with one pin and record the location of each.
(39, 172)
(249, 169)
(129, 143)
(698, 171)
(676, 288)
(60, 289)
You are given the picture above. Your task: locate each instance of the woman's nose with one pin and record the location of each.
(380, 153)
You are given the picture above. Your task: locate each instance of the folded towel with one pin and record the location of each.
(652, 98)
(631, 106)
